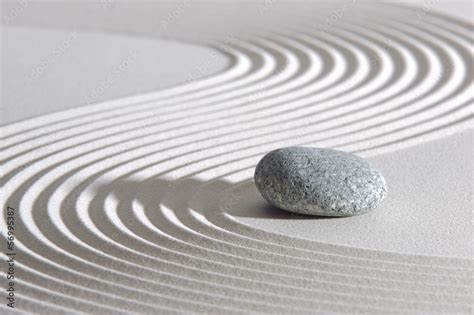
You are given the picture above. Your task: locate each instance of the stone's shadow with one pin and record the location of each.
(267, 211)
(205, 197)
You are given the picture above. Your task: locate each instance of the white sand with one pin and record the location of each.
(146, 204)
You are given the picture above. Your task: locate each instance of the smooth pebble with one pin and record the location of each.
(319, 182)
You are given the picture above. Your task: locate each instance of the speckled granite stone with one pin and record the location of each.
(319, 182)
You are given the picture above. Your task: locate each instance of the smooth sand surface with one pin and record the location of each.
(145, 202)
(46, 70)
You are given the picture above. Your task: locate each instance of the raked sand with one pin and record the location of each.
(145, 203)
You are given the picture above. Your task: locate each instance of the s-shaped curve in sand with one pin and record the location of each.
(136, 204)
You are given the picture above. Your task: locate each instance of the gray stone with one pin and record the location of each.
(319, 182)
